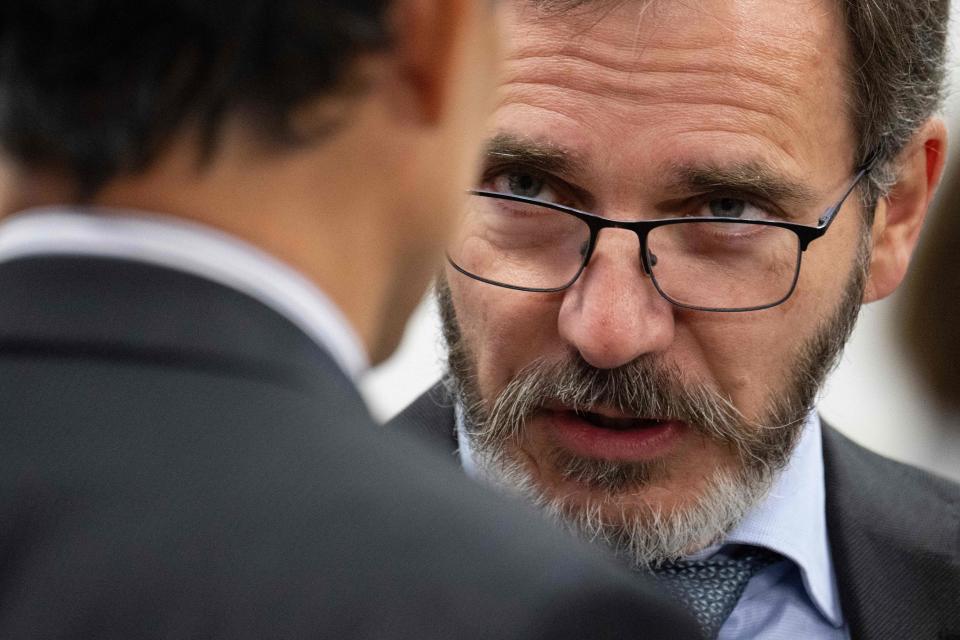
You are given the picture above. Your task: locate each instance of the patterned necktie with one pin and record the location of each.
(711, 588)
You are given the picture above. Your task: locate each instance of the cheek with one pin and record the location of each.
(749, 356)
(505, 330)
(753, 355)
(738, 353)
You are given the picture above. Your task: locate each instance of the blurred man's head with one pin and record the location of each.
(647, 382)
(338, 135)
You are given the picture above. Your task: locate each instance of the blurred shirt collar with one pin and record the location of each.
(191, 248)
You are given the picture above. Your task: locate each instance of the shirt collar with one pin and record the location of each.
(191, 248)
(464, 450)
(791, 520)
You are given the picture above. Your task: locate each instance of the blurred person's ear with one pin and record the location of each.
(436, 95)
(442, 58)
(443, 48)
(448, 56)
(900, 215)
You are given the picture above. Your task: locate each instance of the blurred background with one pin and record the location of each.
(897, 388)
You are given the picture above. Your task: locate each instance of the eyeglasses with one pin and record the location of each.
(702, 263)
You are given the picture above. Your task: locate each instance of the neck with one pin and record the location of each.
(307, 212)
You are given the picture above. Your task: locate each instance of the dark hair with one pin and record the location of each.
(931, 313)
(97, 88)
(896, 72)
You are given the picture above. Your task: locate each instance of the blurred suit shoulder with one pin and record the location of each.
(177, 460)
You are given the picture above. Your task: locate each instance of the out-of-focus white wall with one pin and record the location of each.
(874, 396)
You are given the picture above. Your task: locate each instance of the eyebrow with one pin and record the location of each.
(749, 177)
(543, 156)
(744, 177)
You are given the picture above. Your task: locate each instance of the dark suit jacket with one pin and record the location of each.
(179, 461)
(894, 532)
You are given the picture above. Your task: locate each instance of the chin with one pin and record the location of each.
(630, 502)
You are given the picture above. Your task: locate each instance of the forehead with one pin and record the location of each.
(641, 83)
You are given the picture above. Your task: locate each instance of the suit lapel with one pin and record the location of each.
(894, 534)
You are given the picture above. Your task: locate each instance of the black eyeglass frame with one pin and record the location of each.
(805, 235)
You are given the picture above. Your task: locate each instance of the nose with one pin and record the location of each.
(613, 314)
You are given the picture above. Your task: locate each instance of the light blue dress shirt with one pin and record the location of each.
(795, 598)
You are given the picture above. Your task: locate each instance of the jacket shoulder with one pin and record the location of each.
(895, 539)
(849, 461)
(431, 418)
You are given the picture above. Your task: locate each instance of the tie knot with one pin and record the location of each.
(711, 588)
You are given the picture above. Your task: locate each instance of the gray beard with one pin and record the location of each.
(644, 534)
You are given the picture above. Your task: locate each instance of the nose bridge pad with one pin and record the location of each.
(648, 259)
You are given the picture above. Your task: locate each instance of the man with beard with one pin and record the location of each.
(213, 213)
(682, 208)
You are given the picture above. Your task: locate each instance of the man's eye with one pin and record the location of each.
(733, 208)
(523, 183)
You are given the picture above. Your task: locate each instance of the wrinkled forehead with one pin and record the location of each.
(682, 77)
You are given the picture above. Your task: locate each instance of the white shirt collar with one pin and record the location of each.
(791, 520)
(191, 248)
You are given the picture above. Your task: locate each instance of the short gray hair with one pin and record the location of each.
(897, 73)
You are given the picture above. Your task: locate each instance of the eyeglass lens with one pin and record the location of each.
(713, 265)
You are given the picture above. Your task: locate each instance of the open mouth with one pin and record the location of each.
(617, 424)
(610, 435)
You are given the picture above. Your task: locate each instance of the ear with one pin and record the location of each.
(899, 216)
(428, 37)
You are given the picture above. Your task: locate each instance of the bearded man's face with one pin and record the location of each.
(650, 425)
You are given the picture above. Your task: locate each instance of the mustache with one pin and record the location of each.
(645, 387)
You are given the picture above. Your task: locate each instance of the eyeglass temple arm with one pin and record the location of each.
(827, 219)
